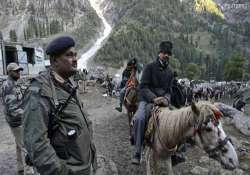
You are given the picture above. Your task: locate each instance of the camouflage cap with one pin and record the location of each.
(13, 66)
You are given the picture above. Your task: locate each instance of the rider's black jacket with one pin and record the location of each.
(156, 81)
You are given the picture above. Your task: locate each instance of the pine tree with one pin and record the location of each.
(1, 35)
(13, 35)
(235, 67)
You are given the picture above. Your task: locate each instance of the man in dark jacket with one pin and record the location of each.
(154, 88)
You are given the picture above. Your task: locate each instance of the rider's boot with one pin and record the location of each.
(136, 159)
(119, 109)
(178, 158)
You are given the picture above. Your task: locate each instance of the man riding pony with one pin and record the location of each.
(129, 78)
(155, 88)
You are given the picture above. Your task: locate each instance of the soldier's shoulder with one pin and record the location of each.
(37, 83)
(7, 82)
(7, 86)
(43, 84)
(35, 86)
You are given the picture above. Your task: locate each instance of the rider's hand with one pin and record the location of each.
(161, 101)
(164, 102)
(158, 100)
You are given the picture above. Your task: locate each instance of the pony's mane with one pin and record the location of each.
(175, 123)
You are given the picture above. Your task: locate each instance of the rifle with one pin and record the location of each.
(53, 116)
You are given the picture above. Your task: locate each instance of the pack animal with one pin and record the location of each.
(201, 122)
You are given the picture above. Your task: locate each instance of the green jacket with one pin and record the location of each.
(59, 155)
(12, 97)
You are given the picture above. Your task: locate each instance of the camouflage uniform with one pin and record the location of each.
(59, 154)
(11, 96)
(80, 77)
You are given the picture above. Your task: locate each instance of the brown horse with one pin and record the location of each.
(130, 103)
(130, 98)
(200, 121)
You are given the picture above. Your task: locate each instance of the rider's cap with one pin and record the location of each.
(166, 47)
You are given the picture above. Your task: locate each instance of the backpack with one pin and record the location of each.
(177, 97)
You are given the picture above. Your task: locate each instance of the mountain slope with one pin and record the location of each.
(198, 28)
(235, 11)
(44, 18)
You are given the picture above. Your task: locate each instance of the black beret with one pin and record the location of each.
(166, 47)
(59, 45)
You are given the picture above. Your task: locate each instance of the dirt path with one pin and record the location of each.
(111, 131)
(111, 138)
(7, 148)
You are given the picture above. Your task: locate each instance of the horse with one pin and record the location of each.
(130, 99)
(197, 92)
(199, 121)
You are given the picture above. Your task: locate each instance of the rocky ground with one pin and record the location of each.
(111, 138)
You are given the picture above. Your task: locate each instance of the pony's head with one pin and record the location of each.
(210, 136)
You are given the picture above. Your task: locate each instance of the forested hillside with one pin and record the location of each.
(198, 28)
(31, 21)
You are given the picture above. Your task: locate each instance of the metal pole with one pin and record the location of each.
(84, 86)
(4, 58)
(1, 54)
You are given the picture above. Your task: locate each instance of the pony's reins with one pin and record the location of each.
(155, 112)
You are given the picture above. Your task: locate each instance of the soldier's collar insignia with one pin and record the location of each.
(58, 78)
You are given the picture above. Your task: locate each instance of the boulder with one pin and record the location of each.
(105, 166)
(240, 120)
(234, 172)
(199, 171)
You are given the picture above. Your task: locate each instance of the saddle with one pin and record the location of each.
(151, 116)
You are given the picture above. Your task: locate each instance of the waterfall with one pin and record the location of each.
(82, 62)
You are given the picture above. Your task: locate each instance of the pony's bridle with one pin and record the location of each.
(212, 152)
(221, 143)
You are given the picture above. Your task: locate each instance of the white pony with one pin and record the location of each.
(199, 121)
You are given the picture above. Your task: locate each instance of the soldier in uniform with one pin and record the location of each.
(80, 77)
(11, 97)
(57, 131)
(84, 79)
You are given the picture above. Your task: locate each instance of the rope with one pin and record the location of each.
(156, 112)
